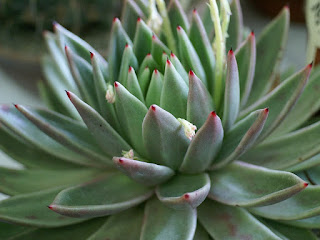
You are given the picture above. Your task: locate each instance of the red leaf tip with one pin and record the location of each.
(252, 33)
(65, 47)
(305, 184)
(149, 55)
(231, 51)
(116, 84)
(156, 71)
(130, 69)
(213, 114)
(287, 6)
(179, 28)
(266, 110)
(127, 45)
(69, 95)
(115, 19)
(120, 160)
(50, 207)
(168, 62)
(154, 37)
(310, 65)
(191, 73)
(186, 196)
(194, 10)
(139, 19)
(153, 107)
(172, 55)
(16, 106)
(91, 55)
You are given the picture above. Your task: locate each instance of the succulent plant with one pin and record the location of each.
(142, 147)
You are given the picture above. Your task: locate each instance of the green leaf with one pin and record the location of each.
(314, 174)
(124, 225)
(26, 181)
(174, 92)
(245, 185)
(31, 209)
(307, 105)
(24, 153)
(57, 86)
(131, 112)
(199, 103)
(118, 41)
(23, 128)
(232, 93)
(189, 56)
(128, 59)
(161, 222)
(306, 164)
(105, 108)
(201, 233)
(313, 222)
(270, 47)
(79, 231)
(200, 40)
(301, 205)
(142, 40)
(103, 196)
(164, 138)
(280, 100)
(144, 80)
(158, 48)
(68, 132)
(226, 222)
(235, 29)
(204, 146)
(106, 137)
(179, 67)
(148, 62)
(82, 74)
(292, 233)
(148, 174)
(133, 84)
(246, 59)
(241, 137)
(11, 231)
(155, 89)
(184, 191)
(288, 150)
(177, 16)
(131, 12)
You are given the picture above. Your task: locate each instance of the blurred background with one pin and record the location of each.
(23, 21)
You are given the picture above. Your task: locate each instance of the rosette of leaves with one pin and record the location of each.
(118, 155)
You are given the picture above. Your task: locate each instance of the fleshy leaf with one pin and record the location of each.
(149, 174)
(23, 128)
(189, 56)
(148, 62)
(199, 103)
(291, 233)
(306, 164)
(131, 12)
(314, 174)
(201, 233)
(245, 185)
(161, 222)
(235, 29)
(184, 191)
(241, 137)
(174, 92)
(106, 137)
(246, 59)
(177, 16)
(313, 222)
(68, 132)
(142, 40)
(155, 89)
(232, 93)
(12, 231)
(133, 84)
(270, 47)
(31, 209)
(204, 146)
(144, 80)
(24, 153)
(79, 231)
(118, 41)
(280, 100)
(226, 222)
(108, 195)
(131, 112)
(302, 205)
(288, 150)
(158, 48)
(128, 59)
(202, 45)
(164, 138)
(26, 181)
(179, 67)
(126, 224)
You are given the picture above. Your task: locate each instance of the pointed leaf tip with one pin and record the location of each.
(154, 37)
(115, 19)
(252, 33)
(179, 28)
(130, 69)
(191, 73)
(91, 55)
(50, 207)
(16, 106)
(116, 84)
(172, 55)
(213, 114)
(168, 62)
(306, 184)
(139, 19)
(68, 93)
(156, 71)
(230, 52)
(310, 64)
(194, 11)
(153, 108)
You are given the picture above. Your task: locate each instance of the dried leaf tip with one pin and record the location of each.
(68, 94)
